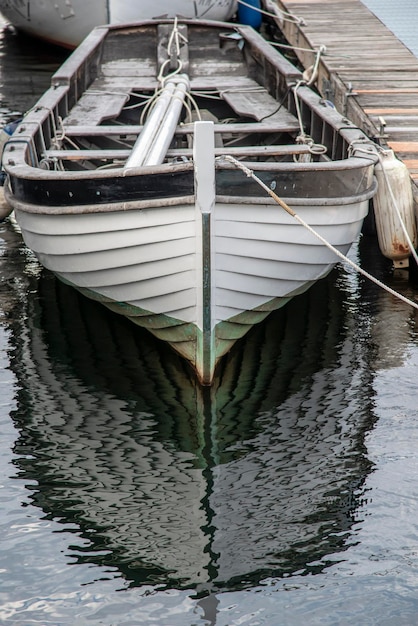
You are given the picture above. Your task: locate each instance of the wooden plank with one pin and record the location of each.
(404, 146)
(401, 129)
(254, 151)
(388, 90)
(281, 124)
(373, 100)
(390, 111)
(93, 108)
(256, 103)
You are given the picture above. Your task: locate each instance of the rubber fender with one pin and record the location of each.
(394, 191)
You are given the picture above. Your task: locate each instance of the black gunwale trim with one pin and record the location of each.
(172, 184)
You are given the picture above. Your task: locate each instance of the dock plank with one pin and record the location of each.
(369, 74)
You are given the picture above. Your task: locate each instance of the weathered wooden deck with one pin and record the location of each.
(366, 71)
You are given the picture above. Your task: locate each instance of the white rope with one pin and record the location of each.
(326, 243)
(303, 137)
(298, 111)
(149, 105)
(315, 66)
(161, 78)
(294, 20)
(194, 104)
(137, 105)
(300, 49)
(287, 17)
(175, 39)
(289, 47)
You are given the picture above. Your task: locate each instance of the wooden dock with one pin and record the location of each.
(366, 71)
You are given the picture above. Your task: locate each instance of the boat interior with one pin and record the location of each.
(261, 110)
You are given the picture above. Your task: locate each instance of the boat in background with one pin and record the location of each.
(67, 22)
(129, 180)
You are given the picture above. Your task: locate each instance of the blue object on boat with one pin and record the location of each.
(5, 133)
(10, 128)
(248, 15)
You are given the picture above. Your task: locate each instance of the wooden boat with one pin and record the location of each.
(67, 22)
(123, 195)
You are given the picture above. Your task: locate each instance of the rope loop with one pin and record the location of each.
(311, 73)
(303, 138)
(354, 146)
(173, 49)
(317, 148)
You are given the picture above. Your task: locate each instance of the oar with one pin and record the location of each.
(153, 142)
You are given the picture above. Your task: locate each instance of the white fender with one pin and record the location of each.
(5, 208)
(394, 209)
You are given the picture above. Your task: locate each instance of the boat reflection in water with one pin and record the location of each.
(187, 487)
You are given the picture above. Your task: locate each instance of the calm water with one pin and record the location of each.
(288, 495)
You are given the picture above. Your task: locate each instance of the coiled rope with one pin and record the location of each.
(326, 243)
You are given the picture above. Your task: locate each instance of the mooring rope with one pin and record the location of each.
(326, 243)
(287, 17)
(303, 137)
(175, 39)
(293, 19)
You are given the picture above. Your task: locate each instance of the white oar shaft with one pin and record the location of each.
(152, 144)
(163, 139)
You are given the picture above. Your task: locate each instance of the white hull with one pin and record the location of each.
(151, 261)
(68, 22)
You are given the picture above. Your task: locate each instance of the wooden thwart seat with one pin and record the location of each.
(246, 97)
(93, 108)
(251, 151)
(281, 124)
(255, 102)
